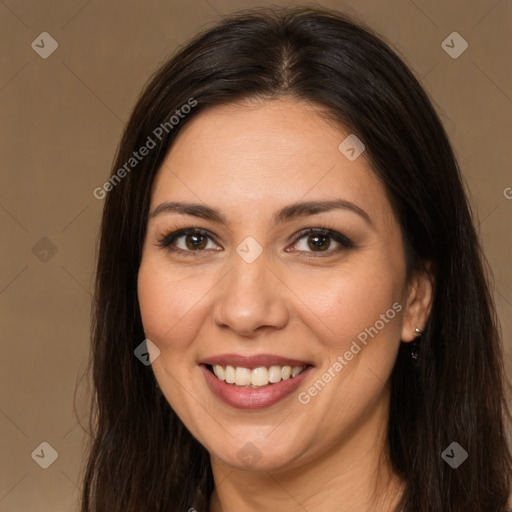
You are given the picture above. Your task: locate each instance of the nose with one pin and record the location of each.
(251, 299)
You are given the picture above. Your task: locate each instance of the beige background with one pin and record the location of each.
(61, 119)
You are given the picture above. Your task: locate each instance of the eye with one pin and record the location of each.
(188, 240)
(320, 240)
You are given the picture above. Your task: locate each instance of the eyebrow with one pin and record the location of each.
(290, 212)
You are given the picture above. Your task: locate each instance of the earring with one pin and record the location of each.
(414, 348)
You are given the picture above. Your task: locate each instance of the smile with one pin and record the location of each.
(253, 382)
(257, 377)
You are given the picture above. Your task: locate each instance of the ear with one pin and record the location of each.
(418, 302)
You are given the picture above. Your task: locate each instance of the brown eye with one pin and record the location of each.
(186, 241)
(318, 242)
(196, 241)
(321, 240)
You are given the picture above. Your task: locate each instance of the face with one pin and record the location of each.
(253, 286)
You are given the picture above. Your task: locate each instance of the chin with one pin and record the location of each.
(257, 454)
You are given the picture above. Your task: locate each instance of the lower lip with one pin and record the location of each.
(252, 398)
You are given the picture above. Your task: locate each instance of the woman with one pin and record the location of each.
(291, 305)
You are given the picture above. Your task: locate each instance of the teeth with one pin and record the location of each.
(242, 376)
(257, 377)
(230, 375)
(296, 370)
(274, 374)
(219, 371)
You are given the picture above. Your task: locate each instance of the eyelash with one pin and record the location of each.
(345, 243)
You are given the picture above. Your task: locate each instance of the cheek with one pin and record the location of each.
(346, 305)
(170, 306)
(356, 320)
(172, 313)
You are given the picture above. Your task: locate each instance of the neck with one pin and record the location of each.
(353, 475)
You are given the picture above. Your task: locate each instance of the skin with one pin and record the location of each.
(248, 160)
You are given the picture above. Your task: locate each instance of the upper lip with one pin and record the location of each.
(252, 362)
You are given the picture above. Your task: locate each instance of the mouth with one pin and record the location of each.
(256, 378)
(253, 382)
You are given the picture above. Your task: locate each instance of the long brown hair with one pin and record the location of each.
(141, 456)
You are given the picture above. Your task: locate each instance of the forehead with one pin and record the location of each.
(254, 154)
